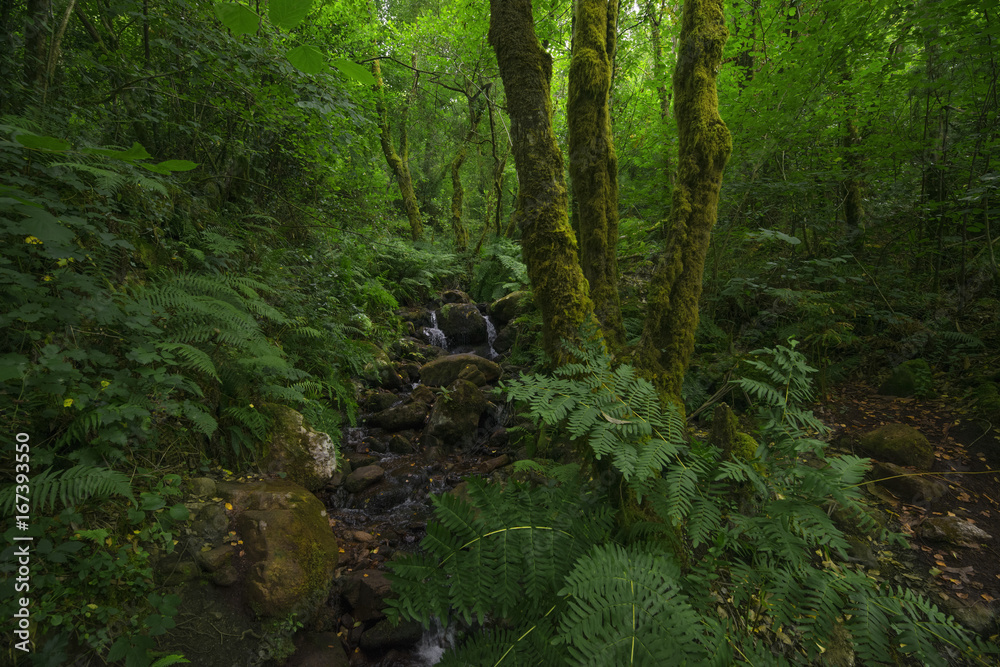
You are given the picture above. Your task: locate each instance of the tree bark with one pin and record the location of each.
(398, 162)
(457, 192)
(36, 43)
(705, 144)
(547, 240)
(593, 164)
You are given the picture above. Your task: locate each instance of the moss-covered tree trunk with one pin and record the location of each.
(593, 164)
(398, 162)
(705, 144)
(547, 240)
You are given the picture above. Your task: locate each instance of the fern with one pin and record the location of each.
(71, 486)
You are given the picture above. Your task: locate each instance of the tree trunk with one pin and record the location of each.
(547, 240)
(36, 43)
(398, 162)
(656, 12)
(457, 192)
(593, 164)
(705, 144)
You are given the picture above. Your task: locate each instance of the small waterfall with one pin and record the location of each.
(491, 335)
(434, 335)
(435, 642)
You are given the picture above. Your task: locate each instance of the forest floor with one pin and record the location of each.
(965, 580)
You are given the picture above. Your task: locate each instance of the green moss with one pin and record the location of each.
(705, 145)
(593, 164)
(548, 242)
(745, 447)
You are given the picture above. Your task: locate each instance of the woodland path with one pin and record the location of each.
(967, 460)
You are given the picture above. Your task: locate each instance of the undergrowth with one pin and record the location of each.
(551, 574)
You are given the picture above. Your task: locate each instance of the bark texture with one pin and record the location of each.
(398, 162)
(593, 164)
(705, 144)
(547, 240)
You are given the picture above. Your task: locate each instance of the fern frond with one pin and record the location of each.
(71, 486)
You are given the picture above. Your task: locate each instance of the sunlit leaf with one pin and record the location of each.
(354, 71)
(287, 14)
(307, 58)
(241, 20)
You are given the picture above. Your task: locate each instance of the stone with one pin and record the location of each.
(202, 487)
(225, 575)
(212, 523)
(494, 463)
(462, 324)
(379, 401)
(905, 485)
(363, 477)
(910, 378)
(384, 635)
(401, 444)
(506, 308)
(506, 336)
(953, 530)
(473, 375)
(290, 551)
(900, 444)
(365, 592)
(213, 559)
(423, 393)
(400, 417)
(307, 457)
(320, 649)
(416, 315)
(455, 296)
(455, 417)
(445, 370)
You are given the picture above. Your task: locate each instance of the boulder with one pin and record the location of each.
(462, 323)
(445, 370)
(455, 296)
(905, 485)
(202, 487)
(307, 457)
(400, 417)
(910, 378)
(505, 339)
(363, 477)
(384, 635)
(455, 417)
(289, 551)
(900, 444)
(953, 530)
(365, 592)
(506, 308)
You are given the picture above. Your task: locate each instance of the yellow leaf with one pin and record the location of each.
(229, 506)
(91, 606)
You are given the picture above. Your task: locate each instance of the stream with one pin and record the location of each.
(409, 460)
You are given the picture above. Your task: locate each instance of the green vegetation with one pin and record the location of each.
(211, 213)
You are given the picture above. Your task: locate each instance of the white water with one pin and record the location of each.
(435, 641)
(434, 335)
(491, 335)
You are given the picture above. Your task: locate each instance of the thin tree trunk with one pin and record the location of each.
(593, 164)
(398, 162)
(547, 240)
(705, 144)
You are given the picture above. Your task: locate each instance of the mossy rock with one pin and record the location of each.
(307, 457)
(506, 308)
(290, 552)
(455, 417)
(910, 378)
(445, 370)
(462, 323)
(900, 444)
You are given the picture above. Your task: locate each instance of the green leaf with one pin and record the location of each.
(179, 512)
(137, 152)
(151, 501)
(178, 165)
(36, 142)
(287, 14)
(12, 366)
(354, 71)
(307, 58)
(241, 20)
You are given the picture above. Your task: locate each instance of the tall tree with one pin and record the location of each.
(399, 162)
(705, 144)
(547, 240)
(593, 164)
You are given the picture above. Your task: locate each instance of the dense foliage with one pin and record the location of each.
(199, 230)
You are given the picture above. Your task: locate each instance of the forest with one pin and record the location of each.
(520, 332)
